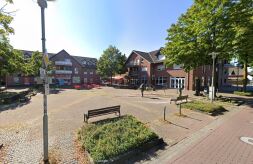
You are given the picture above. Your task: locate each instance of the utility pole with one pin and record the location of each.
(43, 5)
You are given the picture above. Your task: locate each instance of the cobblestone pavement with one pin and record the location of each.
(21, 127)
(221, 145)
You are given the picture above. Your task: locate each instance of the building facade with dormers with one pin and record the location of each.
(149, 68)
(68, 70)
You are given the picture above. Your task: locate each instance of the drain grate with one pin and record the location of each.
(247, 140)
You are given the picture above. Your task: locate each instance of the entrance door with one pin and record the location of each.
(177, 82)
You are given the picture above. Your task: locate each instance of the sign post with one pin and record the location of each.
(43, 5)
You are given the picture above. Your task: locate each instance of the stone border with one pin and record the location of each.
(155, 144)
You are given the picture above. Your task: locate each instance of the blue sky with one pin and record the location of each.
(87, 27)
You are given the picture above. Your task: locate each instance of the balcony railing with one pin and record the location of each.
(133, 63)
(67, 63)
(63, 72)
(133, 73)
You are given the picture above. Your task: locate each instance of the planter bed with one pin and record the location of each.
(115, 140)
(205, 107)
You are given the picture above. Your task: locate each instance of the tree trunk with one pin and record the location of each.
(245, 79)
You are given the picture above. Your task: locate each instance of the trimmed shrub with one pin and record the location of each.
(206, 107)
(243, 93)
(110, 138)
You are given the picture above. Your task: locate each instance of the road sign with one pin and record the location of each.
(42, 73)
(47, 89)
(46, 59)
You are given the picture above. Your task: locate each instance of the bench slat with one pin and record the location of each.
(101, 111)
(100, 114)
(104, 111)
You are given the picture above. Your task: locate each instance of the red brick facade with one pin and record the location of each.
(69, 70)
(149, 68)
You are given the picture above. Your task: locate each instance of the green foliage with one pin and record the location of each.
(203, 29)
(10, 60)
(110, 138)
(243, 93)
(242, 17)
(5, 21)
(33, 64)
(206, 107)
(111, 62)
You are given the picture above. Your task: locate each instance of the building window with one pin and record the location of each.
(142, 60)
(161, 57)
(144, 79)
(76, 70)
(160, 67)
(84, 62)
(91, 72)
(91, 80)
(144, 69)
(177, 82)
(85, 72)
(134, 81)
(85, 80)
(177, 66)
(76, 80)
(161, 81)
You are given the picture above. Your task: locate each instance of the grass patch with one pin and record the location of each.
(243, 93)
(110, 138)
(206, 107)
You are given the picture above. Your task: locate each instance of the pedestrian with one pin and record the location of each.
(142, 87)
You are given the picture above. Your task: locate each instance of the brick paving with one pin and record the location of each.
(21, 127)
(223, 145)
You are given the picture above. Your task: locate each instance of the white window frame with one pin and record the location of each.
(161, 67)
(176, 82)
(144, 69)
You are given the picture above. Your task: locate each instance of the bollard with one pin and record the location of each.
(180, 109)
(164, 112)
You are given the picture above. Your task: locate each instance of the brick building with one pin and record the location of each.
(149, 68)
(69, 70)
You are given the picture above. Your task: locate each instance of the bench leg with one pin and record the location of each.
(85, 118)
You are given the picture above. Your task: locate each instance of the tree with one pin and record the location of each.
(218, 26)
(111, 62)
(10, 60)
(242, 16)
(203, 29)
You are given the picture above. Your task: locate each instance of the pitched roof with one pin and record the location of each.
(86, 61)
(28, 54)
(145, 55)
(151, 57)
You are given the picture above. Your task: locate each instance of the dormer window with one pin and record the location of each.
(160, 57)
(84, 62)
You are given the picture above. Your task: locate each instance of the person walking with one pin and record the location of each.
(142, 87)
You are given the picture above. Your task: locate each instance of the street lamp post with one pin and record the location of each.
(214, 55)
(43, 5)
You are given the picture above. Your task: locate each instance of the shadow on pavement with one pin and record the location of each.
(13, 106)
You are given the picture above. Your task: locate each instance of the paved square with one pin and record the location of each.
(21, 127)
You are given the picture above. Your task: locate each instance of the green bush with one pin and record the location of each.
(110, 138)
(206, 107)
(243, 93)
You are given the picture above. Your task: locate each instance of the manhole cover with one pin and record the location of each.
(247, 140)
